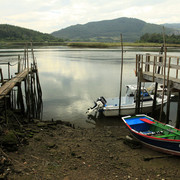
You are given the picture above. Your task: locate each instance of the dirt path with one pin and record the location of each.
(67, 153)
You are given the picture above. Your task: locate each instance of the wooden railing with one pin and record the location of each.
(156, 68)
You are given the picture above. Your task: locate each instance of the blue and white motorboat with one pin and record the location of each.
(110, 106)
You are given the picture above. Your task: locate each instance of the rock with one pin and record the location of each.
(51, 145)
(133, 144)
(10, 141)
(41, 124)
(36, 121)
(38, 138)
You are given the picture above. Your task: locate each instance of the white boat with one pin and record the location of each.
(110, 106)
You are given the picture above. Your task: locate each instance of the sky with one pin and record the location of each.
(48, 16)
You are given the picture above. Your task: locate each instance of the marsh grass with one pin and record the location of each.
(108, 45)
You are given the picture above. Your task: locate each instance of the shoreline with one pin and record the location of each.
(84, 44)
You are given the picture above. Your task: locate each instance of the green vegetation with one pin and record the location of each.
(158, 38)
(108, 45)
(22, 44)
(9, 33)
(109, 30)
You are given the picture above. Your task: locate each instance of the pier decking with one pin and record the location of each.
(9, 85)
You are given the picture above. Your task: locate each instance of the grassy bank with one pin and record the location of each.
(108, 45)
(22, 44)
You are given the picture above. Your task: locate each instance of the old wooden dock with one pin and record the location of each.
(22, 91)
(163, 69)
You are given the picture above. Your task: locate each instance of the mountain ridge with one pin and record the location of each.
(16, 33)
(110, 30)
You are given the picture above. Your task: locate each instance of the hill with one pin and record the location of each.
(15, 33)
(173, 25)
(109, 30)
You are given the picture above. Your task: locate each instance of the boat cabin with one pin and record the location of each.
(132, 91)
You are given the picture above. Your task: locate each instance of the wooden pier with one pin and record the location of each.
(161, 69)
(13, 95)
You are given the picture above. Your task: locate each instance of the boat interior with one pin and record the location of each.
(149, 127)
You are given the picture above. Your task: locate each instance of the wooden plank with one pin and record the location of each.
(159, 55)
(173, 66)
(159, 79)
(6, 87)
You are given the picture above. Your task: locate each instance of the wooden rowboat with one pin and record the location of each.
(159, 136)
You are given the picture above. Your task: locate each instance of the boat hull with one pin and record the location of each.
(168, 143)
(165, 146)
(114, 111)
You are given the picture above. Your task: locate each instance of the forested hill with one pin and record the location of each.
(110, 30)
(15, 33)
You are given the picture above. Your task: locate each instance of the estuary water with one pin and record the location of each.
(73, 78)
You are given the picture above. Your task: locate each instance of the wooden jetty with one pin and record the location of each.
(13, 95)
(163, 69)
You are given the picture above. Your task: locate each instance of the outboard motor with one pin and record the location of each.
(100, 103)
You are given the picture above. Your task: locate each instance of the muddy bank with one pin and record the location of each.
(61, 151)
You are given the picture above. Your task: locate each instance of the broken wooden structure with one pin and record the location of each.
(162, 69)
(22, 91)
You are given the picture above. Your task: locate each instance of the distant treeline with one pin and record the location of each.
(158, 38)
(14, 33)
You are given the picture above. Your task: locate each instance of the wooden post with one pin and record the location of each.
(138, 93)
(177, 69)
(121, 74)
(19, 64)
(8, 70)
(168, 102)
(146, 63)
(138, 97)
(39, 100)
(2, 79)
(20, 99)
(154, 100)
(25, 63)
(154, 63)
(148, 66)
(178, 113)
(169, 64)
(32, 51)
(142, 62)
(164, 80)
(156, 84)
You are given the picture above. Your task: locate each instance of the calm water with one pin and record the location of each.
(72, 78)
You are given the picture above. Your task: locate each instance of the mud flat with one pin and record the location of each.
(57, 150)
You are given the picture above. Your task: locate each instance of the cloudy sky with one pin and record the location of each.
(51, 15)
